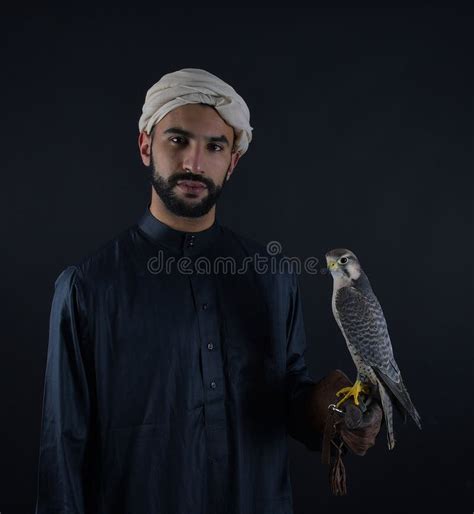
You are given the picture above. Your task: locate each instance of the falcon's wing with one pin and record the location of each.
(364, 324)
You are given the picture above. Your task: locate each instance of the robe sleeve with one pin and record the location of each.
(300, 387)
(68, 454)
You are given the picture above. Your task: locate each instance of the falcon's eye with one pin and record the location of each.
(343, 260)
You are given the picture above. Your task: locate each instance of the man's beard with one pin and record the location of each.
(180, 207)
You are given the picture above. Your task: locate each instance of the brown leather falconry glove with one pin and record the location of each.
(357, 429)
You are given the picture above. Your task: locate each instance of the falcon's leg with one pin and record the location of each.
(354, 391)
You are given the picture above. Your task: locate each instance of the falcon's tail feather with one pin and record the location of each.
(401, 395)
(388, 414)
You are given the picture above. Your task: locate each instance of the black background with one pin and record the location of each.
(363, 138)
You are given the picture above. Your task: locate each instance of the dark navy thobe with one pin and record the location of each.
(175, 371)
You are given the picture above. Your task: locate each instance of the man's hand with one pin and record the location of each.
(358, 430)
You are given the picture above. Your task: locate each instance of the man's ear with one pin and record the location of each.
(233, 163)
(144, 145)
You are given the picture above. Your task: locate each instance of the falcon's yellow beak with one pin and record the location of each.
(332, 265)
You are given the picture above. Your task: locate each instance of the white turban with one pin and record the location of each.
(191, 86)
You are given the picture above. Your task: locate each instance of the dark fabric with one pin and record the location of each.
(169, 392)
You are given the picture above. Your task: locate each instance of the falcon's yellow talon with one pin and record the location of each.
(344, 390)
(354, 391)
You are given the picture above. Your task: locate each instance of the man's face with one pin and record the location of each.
(191, 159)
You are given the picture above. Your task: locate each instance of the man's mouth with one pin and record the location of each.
(192, 183)
(191, 186)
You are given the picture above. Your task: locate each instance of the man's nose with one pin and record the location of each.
(193, 159)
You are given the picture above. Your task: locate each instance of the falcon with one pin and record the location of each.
(362, 322)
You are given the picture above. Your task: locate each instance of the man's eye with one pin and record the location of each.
(216, 148)
(178, 140)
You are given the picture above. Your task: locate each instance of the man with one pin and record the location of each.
(171, 384)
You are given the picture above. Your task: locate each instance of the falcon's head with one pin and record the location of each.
(343, 265)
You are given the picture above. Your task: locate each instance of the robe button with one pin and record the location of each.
(213, 385)
(204, 306)
(210, 346)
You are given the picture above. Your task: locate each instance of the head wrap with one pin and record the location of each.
(190, 86)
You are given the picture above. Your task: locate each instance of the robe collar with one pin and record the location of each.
(188, 243)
